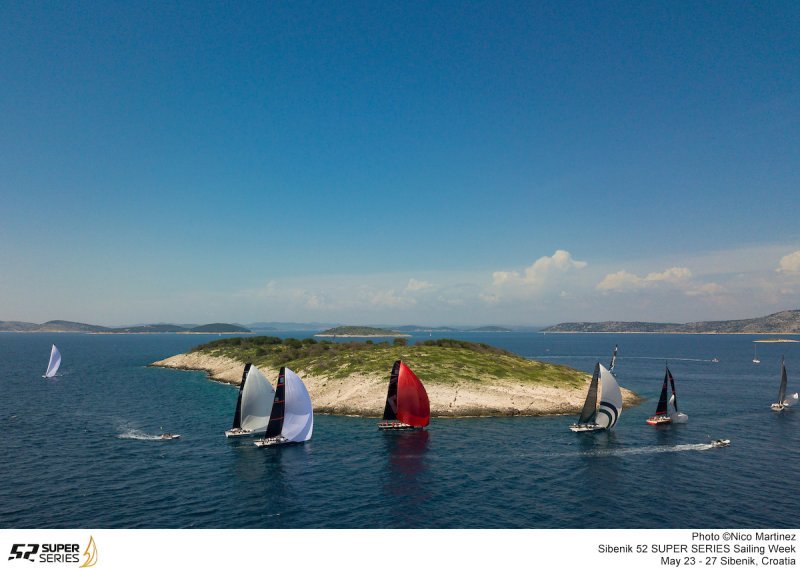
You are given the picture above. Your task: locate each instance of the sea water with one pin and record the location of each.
(84, 449)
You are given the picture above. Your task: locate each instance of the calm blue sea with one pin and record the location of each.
(79, 451)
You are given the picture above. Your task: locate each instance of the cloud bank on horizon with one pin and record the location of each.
(553, 288)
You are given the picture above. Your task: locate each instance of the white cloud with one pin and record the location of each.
(676, 278)
(538, 274)
(790, 264)
(415, 285)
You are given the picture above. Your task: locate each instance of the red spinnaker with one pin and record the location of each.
(413, 407)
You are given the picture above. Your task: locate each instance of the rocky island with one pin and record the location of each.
(359, 331)
(462, 378)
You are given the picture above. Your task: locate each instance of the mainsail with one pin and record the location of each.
(610, 407)
(390, 410)
(782, 389)
(55, 362)
(613, 358)
(257, 397)
(661, 409)
(590, 405)
(674, 399)
(278, 406)
(237, 416)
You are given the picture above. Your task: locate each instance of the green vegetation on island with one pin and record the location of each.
(359, 331)
(441, 361)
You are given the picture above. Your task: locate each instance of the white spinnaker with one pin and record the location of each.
(257, 397)
(675, 416)
(610, 407)
(791, 400)
(54, 364)
(298, 416)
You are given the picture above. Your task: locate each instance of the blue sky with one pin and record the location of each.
(399, 162)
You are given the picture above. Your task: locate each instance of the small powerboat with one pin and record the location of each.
(169, 436)
(721, 443)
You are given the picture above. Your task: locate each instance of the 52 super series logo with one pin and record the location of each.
(55, 553)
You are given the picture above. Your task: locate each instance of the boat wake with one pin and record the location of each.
(648, 450)
(134, 434)
(598, 357)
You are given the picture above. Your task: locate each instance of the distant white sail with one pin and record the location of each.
(54, 364)
(610, 407)
(257, 397)
(298, 417)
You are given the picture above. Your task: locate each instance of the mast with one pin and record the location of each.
(672, 384)
(782, 389)
(661, 409)
(276, 416)
(613, 358)
(590, 405)
(390, 410)
(237, 416)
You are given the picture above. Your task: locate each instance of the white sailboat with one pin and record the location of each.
(253, 404)
(291, 419)
(53, 364)
(602, 415)
(756, 360)
(783, 402)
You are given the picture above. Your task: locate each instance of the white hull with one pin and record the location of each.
(397, 426)
(276, 441)
(586, 428)
(721, 443)
(241, 433)
(170, 436)
(778, 407)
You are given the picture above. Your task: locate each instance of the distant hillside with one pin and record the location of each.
(491, 329)
(782, 322)
(219, 328)
(76, 327)
(422, 328)
(152, 328)
(67, 326)
(359, 331)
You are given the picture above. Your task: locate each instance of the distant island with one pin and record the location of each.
(62, 326)
(359, 331)
(461, 378)
(787, 322)
(490, 329)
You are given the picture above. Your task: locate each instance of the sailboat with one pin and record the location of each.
(53, 364)
(407, 405)
(783, 402)
(291, 418)
(756, 360)
(253, 404)
(602, 415)
(667, 410)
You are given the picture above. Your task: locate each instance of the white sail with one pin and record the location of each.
(54, 364)
(791, 400)
(257, 397)
(610, 407)
(675, 416)
(298, 416)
